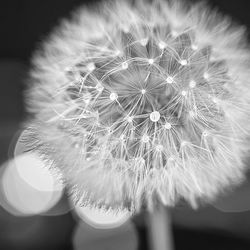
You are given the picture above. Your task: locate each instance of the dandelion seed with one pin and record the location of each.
(194, 47)
(215, 100)
(109, 113)
(162, 45)
(118, 53)
(124, 65)
(205, 75)
(113, 96)
(170, 79)
(150, 61)
(145, 138)
(159, 148)
(87, 98)
(174, 33)
(183, 92)
(167, 125)
(91, 67)
(109, 130)
(144, 42)
(183, 62)
(183, 144)
(99, 87)
(130, 119)
(122, 137)
(171, 159)
(192, 114)
(205, 134)
(155, 116)
(192, 84)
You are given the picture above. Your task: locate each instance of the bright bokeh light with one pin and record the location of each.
(32, 170)
(99, 218)
(28, 186)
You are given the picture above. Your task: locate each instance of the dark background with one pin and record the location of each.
(23, 24)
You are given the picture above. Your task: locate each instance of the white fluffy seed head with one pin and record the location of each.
(189, 148)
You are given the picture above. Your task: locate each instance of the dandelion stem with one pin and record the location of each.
(159, 229)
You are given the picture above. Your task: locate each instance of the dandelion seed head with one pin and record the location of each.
(106, 97)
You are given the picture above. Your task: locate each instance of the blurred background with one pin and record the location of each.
(35, 212)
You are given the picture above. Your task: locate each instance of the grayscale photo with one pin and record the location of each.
(125, 125)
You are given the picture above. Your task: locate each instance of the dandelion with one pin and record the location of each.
(123, 103)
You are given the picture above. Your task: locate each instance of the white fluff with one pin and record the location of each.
(140, 103)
